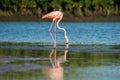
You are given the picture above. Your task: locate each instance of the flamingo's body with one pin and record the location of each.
(53, 15)
(56, 16)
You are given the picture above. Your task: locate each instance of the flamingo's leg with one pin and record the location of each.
(52, 36)
(55, 56)
(55, 31)
(51, 26)
(51, 32)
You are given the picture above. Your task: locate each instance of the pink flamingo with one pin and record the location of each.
(56, 16)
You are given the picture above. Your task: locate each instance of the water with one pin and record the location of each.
(78, 32)
(27, 52)
(64, 64)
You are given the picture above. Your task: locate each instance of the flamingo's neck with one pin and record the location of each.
(65, 35)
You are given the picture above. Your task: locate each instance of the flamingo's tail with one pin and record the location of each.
(45, 16)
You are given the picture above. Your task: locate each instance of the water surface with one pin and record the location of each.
(64, 64)
(78, 32)
(27, 52)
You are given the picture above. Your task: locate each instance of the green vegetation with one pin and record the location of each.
(69, 7)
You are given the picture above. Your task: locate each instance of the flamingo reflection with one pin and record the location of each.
(56, 71)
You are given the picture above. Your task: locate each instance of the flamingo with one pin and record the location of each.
(56, 17)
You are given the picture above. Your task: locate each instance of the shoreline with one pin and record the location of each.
(74, 48)
(50, 43)
(65, 18)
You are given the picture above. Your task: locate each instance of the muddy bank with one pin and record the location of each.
(66, 18)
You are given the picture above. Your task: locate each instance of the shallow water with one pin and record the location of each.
(66, 63)
(27, 54)
(78, 32)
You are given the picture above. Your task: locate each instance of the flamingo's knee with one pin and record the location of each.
(55, 31)
(49, 30)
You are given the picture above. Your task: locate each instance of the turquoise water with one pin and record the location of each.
(27, 52)
(78, 32)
